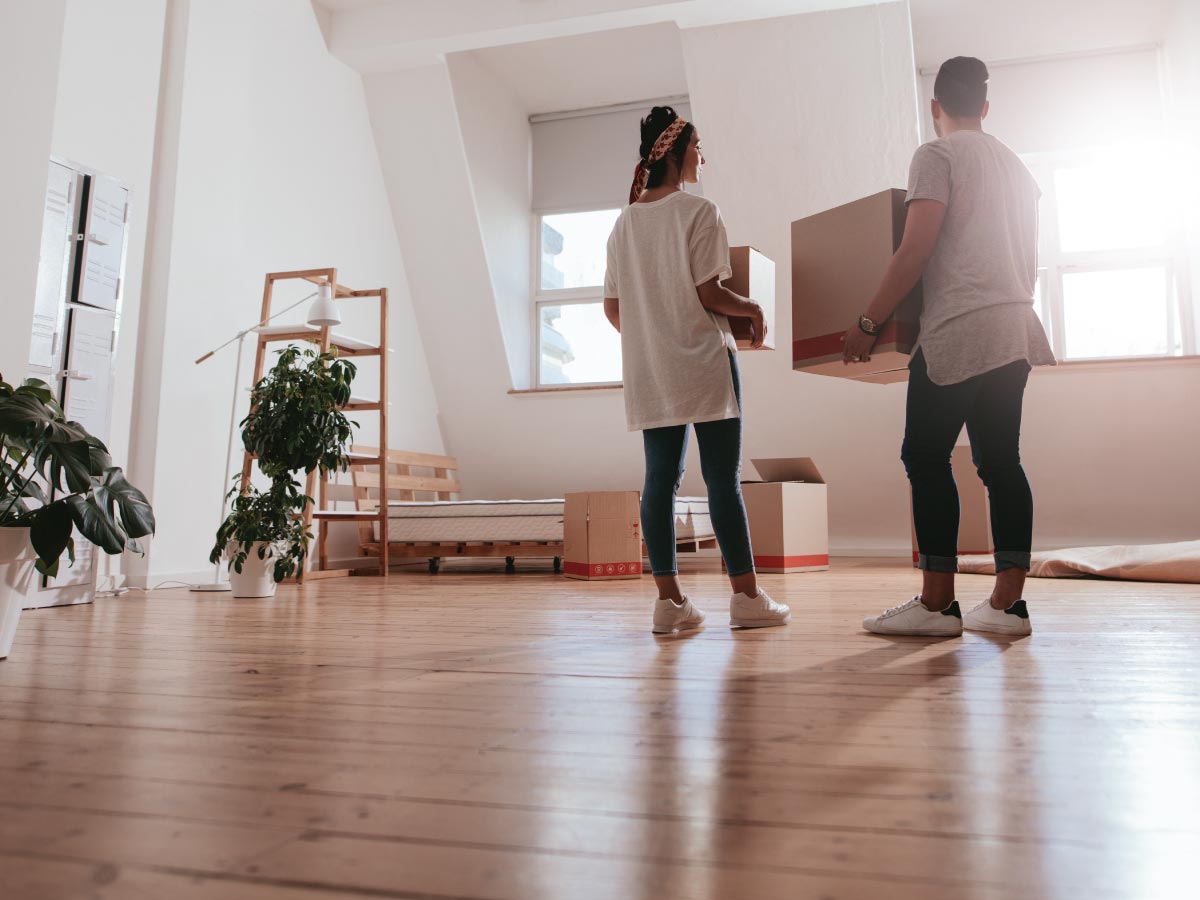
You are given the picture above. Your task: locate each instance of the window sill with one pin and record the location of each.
(569, 389)
(1130, 362)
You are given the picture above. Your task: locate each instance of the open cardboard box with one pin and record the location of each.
(602, 535)
(974, 518)
(838, 260)
(754, 277)
(789, 516)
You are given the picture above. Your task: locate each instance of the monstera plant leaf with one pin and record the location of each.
(115, 494)
(95, 524)
(50, 535)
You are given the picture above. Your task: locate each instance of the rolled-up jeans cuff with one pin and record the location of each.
(932, 563)
(1011, 559)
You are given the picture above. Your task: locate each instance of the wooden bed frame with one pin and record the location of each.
(436, 478)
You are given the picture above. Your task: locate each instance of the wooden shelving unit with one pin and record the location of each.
(326, 337)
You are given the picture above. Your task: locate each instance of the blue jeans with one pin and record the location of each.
(990, 406)
(721, 464)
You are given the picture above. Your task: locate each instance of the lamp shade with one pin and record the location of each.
(323, 310)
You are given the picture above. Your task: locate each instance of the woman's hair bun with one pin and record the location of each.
(654, 125)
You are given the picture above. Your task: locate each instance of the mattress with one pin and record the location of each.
(451, 521)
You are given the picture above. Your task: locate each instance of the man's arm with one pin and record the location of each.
(921, 229)
(612, 311)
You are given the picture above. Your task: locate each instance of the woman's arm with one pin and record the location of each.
(612, 311)
(717, 298)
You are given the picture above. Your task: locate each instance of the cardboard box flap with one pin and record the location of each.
(800, 468)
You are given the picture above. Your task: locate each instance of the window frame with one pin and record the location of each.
(1054, 264)
(592, 294)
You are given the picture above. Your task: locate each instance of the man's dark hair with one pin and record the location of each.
(961, 87)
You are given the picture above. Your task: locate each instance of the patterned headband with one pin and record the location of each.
(665, 142)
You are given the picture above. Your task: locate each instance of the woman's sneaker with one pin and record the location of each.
(670, 616)
(985, 617)
(914, 618)
(757, 612)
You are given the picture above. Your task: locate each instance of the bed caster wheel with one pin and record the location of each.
(510, 564)
(434, 565)
(558, 565)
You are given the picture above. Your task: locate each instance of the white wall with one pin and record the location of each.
(496, 139)
(1182, 71)
(105, 120)
(266, 163)
(1068, 104)
(30, 43)
(546, 444)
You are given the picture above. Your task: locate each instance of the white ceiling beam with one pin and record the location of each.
(398, 35)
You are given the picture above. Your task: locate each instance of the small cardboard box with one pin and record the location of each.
(974, 517)
(602, 535)
(789, 516)
(838, 260)
(754, 277)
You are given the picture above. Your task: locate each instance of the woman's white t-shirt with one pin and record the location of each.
(675, 352)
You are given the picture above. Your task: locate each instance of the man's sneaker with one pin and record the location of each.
(914, 618)
(985, 617)
(757, 612)
(670, 616)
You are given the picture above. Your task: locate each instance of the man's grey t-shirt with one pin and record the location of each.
(978, 285)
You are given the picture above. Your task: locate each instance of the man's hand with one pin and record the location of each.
(858, 345)
(759, 326)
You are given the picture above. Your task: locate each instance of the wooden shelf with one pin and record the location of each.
(317, 484)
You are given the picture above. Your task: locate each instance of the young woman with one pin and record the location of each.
(666, 257)
(972, 232)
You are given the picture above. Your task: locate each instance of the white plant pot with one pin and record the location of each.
(18, 580)
(257, 578)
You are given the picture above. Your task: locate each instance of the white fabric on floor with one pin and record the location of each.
(1179, 562)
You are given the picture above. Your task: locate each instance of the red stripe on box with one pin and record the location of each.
(602, 570)
(790, 562)
(831, 344)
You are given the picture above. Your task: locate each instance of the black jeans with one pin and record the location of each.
(721, 464)
(990, 406)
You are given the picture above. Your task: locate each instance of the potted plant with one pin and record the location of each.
(264, 537)
(55, 478)
(295, 424)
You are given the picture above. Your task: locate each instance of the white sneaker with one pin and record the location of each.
(914, 618)
(985, 617)
(670, 616)
(757, 612)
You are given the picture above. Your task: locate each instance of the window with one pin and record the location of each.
(575, 344)
(1110, 248)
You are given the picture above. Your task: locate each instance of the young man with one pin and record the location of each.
(971, 233)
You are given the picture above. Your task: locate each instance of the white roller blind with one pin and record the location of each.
(587, 161)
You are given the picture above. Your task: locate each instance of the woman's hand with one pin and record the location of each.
(759, 324)
(858, 345)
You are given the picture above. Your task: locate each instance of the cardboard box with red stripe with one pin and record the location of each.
(838, 260)
(602, 535)
(789, 516)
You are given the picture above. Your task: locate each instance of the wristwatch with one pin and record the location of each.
(868, 325)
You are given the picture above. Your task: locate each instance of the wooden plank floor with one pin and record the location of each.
(476, 735)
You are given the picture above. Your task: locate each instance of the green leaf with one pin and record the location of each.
(114, 493)
(50, 534)
(95, 523)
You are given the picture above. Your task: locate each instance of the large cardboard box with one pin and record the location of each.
(838, 260)
(602, 535)
(753, 277)
(974, 517)
(789, 516)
